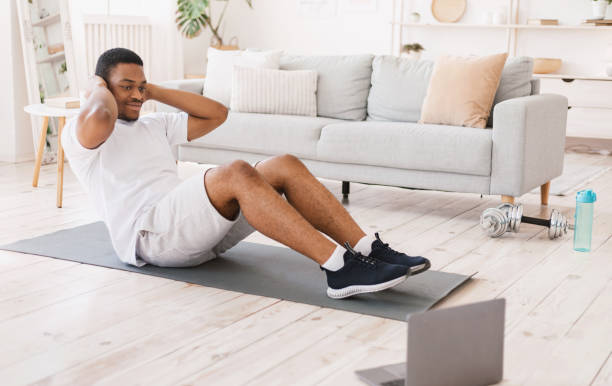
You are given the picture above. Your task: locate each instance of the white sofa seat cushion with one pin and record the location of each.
(266, 134)
(408, 145)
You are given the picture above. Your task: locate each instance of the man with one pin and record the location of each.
(125, 162)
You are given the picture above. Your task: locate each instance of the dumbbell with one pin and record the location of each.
(507, 217)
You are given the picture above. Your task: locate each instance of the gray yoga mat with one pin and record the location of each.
(251, 268)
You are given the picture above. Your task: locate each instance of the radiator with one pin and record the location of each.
(105, 32)
(132, 32)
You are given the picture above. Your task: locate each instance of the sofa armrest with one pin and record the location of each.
(528, 143)
(191, 85)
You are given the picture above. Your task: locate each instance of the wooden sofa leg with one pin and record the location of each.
(544, 190)
(508, 199)
(346, 189)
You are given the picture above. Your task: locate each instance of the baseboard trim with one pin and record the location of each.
(589, 145)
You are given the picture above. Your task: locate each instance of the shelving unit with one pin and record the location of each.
(589, 95)
(52, 58)
(47, 20)
(45, 75)
(511, 27)
(504, 26)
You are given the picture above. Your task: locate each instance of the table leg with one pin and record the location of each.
(60, 161)
(41, 148)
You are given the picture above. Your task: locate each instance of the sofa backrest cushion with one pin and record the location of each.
(343, 83)
(398, 89)
(515, 81)
(399, 86)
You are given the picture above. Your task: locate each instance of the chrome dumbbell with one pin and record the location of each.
(507, 217)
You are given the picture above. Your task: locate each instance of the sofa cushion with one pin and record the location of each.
(398, 89)
(408, 145)
(260, 90)
(462, 89)
(343, 84)
(266, 134)
(515, 81)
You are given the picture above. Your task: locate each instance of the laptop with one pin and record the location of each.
(457, 346)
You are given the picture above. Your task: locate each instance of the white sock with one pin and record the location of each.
(364, 246)
(336, 260)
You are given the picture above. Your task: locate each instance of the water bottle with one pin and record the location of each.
(583, 220)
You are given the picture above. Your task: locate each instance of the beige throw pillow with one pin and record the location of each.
(461, 90)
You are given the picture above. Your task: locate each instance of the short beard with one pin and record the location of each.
(128, 119)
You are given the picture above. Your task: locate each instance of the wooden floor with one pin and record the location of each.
(68, 323)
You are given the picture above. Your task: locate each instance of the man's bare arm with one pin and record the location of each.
(96, 120)
(205, 114)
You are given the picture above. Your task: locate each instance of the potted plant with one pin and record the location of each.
(599, 8)
(412, 51)
(194, 15)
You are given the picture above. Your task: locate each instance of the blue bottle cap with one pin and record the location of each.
(586, 196)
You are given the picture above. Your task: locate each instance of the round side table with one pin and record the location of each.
(46, 112)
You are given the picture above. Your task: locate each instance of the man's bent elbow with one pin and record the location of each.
(102, 114)
(223, 111)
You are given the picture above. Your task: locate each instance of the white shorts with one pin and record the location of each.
(184, 229)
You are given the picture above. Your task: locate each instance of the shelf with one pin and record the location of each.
(52, 58)
(452, 25)
(506, 26)
(47, 20)
(570, 76)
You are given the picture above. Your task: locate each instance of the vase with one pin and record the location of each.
(599, 8)
(415, 17)
(412, 55)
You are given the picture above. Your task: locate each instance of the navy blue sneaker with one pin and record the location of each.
(362, 274)
(382, 251)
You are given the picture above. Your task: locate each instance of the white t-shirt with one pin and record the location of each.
(128, 173)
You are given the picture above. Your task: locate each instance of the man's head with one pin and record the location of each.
(123, 73)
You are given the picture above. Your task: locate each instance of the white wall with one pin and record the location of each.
(15, 131)
(280, 24)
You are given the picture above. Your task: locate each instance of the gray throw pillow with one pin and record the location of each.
(515, 81)
(343, 83)
(399, 87)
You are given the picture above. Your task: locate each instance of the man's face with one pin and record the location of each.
(127, 84)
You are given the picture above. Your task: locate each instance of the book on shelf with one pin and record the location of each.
(55, 48)
(543, 21)
(598, 22)
(63, 102)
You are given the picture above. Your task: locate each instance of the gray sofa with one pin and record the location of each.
(367, 131)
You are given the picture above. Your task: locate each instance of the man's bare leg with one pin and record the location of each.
(238, 186)
(288, 175)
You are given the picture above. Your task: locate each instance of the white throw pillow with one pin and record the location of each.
(260, 59)
(258, 90)
(218, 81)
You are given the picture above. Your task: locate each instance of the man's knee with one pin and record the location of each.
(291, 161)
(240, 169)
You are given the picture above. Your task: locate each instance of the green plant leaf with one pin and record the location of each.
(189, 16)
